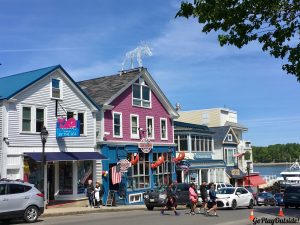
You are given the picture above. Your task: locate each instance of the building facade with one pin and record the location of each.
(135, 125)
(41, 98)
(200, 164)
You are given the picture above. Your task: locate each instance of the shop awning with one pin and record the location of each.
(66, 156)
(238, 154)
(254, 180)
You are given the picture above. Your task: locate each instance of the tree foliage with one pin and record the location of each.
(274, 23)
(276, 153)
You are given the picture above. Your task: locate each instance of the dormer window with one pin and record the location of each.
(141, 94)
(56, 88)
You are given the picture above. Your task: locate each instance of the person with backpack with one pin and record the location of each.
(213, 200)
(171, 199)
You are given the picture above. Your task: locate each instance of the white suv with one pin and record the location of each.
(20, 200)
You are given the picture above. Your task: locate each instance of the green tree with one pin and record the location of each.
(274, 23)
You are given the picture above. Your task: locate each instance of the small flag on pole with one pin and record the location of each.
(115, 175)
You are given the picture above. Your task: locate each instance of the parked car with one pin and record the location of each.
(233, 197)
(20, 200)
(291, 196)
(158, 196)
(221, 185)
(279, 198)
(265, 198)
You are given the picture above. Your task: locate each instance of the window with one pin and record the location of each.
(138, 175)
(56, 88)
(70, 115)
(141, 94)
(117, 124)
(182, 143)
(230, 159)
(2, 189)
(150, 127)
(133, 198)
(39, 122)
(163, 129)
(81, 119)
(134, 126)
(26, 119)
(16, 189)
(201, 143)
(162, 174)
(229, 137)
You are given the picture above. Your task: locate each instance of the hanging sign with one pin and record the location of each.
(145, 145)
(67, 128)
(183, 165)
(235, 172)
(124, 164)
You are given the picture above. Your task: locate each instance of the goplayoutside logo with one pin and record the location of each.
(277, 220)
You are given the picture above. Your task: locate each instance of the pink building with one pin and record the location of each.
(135, 123)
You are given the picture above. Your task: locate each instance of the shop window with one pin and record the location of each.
(150, 127)
(204, 175)
(163, 129)
(85, 173)
(2, 189)
(117, 124)
(26, 119)
(162, 174)
(141, 94)
(56, 88)
(138, 175)
(134, 126)
(33, 172)
(65, 178)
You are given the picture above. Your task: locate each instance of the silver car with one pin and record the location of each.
(20, 200)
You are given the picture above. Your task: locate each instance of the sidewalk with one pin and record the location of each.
(59, 211)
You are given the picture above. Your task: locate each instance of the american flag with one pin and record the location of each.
(115, 175)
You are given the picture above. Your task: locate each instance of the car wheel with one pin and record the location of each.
(233, 204)
(31, 214)
(251, 204)
(286, 206)
(149, 207)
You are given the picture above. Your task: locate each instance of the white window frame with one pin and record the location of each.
(84, 122)
(121, 125)
(33, 109)
(229, 137)
(140, 195)
(153, 127)
(234, 159)
(134, 136)
(166, 123)
(60, 88)
(141, 84)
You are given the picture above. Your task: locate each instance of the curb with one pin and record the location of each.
(90, 211)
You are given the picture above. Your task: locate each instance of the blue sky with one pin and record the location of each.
(90, 38)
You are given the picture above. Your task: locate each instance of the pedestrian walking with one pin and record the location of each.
(90, 193)
(97, 195)
(171, 199)
(203, 194)
(213, 200)
(193, 196)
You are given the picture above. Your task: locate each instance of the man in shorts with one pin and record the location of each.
(171, 199)
(203, 193)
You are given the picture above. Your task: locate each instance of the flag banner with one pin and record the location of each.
(116, 175)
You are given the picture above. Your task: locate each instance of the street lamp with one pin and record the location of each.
(44, 135)
(248, 172)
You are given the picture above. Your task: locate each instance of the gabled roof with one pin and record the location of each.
(236, 125)
(219, 133)
(104, 90)
(14, 84)
(11, 85)
(190, 127)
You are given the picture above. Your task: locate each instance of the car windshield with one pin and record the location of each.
(250, 189)
(226, 191)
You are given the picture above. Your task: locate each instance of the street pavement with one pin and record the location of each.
(144, 217)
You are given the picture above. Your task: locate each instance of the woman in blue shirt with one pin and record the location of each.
(213, 200)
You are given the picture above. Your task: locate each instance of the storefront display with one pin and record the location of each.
(66, 178)
(85, 173)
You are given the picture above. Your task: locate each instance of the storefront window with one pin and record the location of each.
(85, 173)
(66, 178)
(138, 175)
(204, 175)
(33, 173)
(212, 175)
(162, 174)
